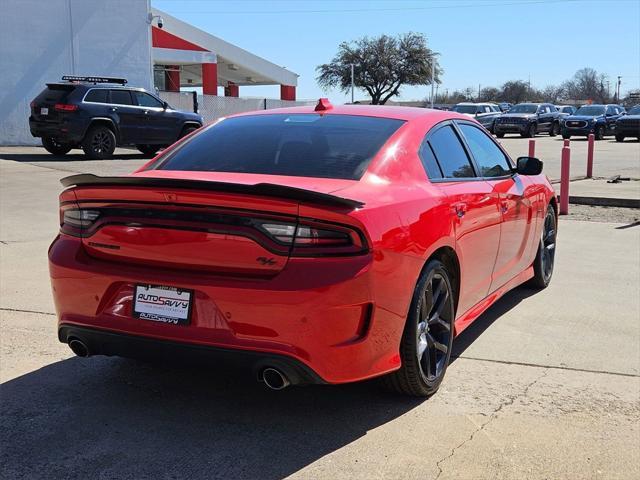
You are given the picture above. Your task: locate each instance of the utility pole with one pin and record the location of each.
(478, 92)
(618, 89)
(608, 90)
(352, 82)
(433, 77)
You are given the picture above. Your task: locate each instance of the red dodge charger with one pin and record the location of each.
(322, 245)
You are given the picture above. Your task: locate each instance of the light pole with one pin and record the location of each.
(618, 89)
(352, 82)
(433, 75)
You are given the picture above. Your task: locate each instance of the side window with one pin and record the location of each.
(487, 109)
(490, 159)
(552, 108)
(429, 161)
(450, 153)
(121, 97)
(146, 100)
(97, 96)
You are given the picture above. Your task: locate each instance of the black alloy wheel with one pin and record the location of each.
(599, 134)
(99, 143)
(428, 335)
(54, 146)
(148, 150)
(531, 131)
(554, 130)
(545, 259)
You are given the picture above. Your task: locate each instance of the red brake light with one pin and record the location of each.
(317, 239)
(65, 107)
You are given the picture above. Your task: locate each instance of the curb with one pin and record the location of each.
(604, 201)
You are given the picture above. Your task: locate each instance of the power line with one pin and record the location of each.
(384, 9)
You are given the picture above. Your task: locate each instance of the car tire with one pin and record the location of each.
(531, 131)
(554, 130)
(99, 143)
(499, 134)
(186, 131)
(148, 150)
(619, 138)
(427, 339)
(55, 147)
(599, 133)
(566, 136)
(545, 258)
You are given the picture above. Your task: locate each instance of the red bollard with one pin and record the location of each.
(567, 142)
(590, 155)
(532, 148)
(564, 181)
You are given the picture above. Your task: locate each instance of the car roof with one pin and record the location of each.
(380, 111)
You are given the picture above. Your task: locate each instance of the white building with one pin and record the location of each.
(42, 40)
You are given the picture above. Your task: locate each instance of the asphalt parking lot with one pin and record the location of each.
(543, 385)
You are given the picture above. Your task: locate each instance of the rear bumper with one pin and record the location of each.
(104, 342)
(64, 131)
(320, 313)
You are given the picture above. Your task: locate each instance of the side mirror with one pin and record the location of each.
(529, 166)
(165, 105)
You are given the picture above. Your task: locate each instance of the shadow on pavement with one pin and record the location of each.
(77, 157)
(503, 305)
(114, 418)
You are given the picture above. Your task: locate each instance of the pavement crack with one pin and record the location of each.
(554, 367)
(492, 416)
(25, 311)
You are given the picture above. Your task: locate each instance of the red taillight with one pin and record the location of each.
(74, 220)
(65, 107)
(316, 238)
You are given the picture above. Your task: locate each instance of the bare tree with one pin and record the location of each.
(515, 91)
(382, 65)
(587, 84)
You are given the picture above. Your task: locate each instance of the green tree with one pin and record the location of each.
(382, 65)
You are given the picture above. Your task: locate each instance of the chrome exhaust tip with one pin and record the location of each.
(79, 347)
(274, 379)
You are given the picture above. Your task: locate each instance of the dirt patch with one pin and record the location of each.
(592, 213)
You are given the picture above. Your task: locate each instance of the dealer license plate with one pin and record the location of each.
(44, 111)
(162, 304)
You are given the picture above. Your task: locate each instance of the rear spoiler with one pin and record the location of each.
(265, 189)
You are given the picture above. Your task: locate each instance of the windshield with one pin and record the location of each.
(634, 110)
(591, 110)
(524, 108)
(465, 108)
(301, 145)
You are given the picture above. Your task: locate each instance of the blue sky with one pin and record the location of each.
(484, 42)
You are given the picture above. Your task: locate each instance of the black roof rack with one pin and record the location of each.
(75, 78)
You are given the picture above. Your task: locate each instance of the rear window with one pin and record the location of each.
(97, 95)
(121, 97)
(304, 145)
(55, 93)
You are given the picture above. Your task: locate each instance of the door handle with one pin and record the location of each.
(460, 209)
(146, 112)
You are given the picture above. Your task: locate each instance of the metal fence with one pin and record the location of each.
(212, 107)
(178, 100)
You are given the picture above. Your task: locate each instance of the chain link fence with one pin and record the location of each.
(178, 100)
(212, 107)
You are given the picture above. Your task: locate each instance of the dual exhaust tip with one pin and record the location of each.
(272, 377)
